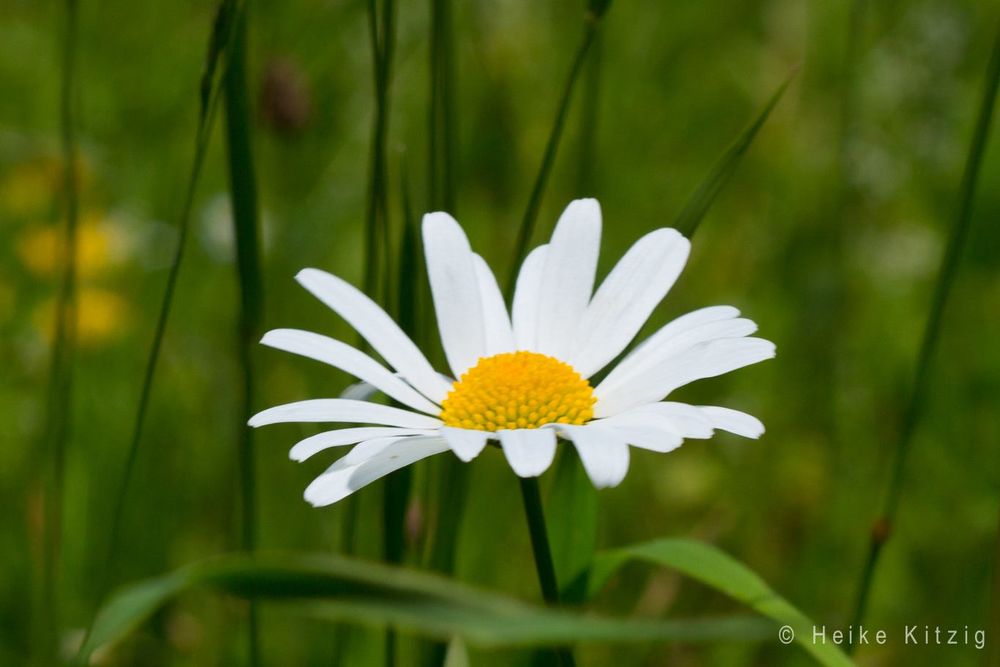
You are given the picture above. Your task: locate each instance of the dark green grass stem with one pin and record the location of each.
(544, 565)
(60, 386)
(942, 289)
(210, 87)
(442, 130)
(243, 194)
(527, 227)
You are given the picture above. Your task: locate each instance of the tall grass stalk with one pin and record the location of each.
(243, 195)
(527, 227)
(209, 94)
(442, 130)
(946, 278)
(59, 399)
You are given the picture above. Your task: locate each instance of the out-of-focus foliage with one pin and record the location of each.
(829, 236)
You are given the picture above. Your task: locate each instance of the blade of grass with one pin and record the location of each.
(243, 196)
(527, 227)
(942, 289)
(442, 130)
(701, 200)
(721, 572)
(59, 399)
(344, 589)
(209, 94)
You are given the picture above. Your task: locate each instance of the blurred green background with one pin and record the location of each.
(829, 236)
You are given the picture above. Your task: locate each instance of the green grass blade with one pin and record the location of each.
(442, 133)
(932, 330)
(340, 588)
(243, 197)
(59, 398)
(694, 211)
(719, 571)
(210, 93)
(527, 226)
(574, 542)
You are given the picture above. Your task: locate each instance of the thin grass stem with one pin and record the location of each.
(530, 217)
(243, 195)
(210, 94)
(942, 289)
(59, 398)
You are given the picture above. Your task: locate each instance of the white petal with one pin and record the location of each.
(627, 296)
(350, 360)
(342, 410)
(347, 436)
(528, 450)
(376, 327)
(455, 288)
(733, 421)
(709, 359)
(466, 443)
(496, 321)
(603, 452)
(648, 432)
(363, 451)
(336, 484)
(675, 338)
(568, 277)
(525, 308)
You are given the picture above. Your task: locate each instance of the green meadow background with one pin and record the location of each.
(829, 235)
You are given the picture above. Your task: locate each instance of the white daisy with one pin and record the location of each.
(522, 376)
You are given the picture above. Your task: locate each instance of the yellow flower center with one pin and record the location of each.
(518, 390)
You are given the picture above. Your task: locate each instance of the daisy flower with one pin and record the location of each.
(523, 376)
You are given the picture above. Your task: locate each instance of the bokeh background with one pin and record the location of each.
(830, 236)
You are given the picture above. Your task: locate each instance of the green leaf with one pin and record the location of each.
(717, 570)
(344, 589)
(572, 519)
(699, 203)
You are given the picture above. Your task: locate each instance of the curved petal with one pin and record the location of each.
(654, 434)
(525, 308)
(603, 452)
(568, 277)
(627, 296)
(342, 410)
(350, 360)
(455, 288)
(674, 340)
(307, 447)
(496, 322)
(528, 450)
(733, 421)
(466, 443)
(338, 483)
(709, 359)
(376, 327)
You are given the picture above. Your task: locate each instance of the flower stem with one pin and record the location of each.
(946, 278)
(544, 565)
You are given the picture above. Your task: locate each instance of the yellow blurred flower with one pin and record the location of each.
(30, 188)
(39, 248)
(101, 316)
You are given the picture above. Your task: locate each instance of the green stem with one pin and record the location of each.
(932, 331)
(210, 87)
(243, 192)
(544, 566)
(548, 158)
(59, 398)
